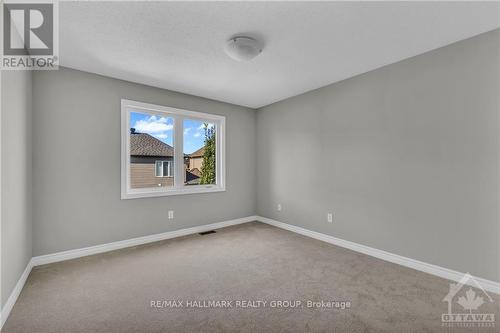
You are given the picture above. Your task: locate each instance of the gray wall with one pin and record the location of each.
(16, 219)
(406, 156)
(76, 165)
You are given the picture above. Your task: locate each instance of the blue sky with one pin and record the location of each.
(162, 129)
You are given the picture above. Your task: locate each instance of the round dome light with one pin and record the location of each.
(243, 48)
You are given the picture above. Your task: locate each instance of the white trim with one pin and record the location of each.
(442, 272)
(220, 150)
(161, 110)
(178, 116)
(179, 172)
(125, 144)
(7, 308)
(192, 189)
(87, 251)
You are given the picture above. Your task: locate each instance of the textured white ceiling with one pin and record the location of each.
(180, 46)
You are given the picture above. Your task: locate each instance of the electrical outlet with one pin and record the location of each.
(329, 217)
(170, 214)
(278, 207)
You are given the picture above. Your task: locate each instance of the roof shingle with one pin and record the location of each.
(142, 144)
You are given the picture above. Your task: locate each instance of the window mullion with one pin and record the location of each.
(178, 153)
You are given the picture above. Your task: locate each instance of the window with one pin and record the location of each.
(168, 151)
(163, 169)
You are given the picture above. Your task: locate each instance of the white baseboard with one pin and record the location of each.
(446, 273)
(87, 251)
(77, 253)
(7, 308)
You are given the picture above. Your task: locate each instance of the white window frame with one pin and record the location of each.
(178, 115)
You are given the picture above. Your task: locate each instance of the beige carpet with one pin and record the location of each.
(112, 292)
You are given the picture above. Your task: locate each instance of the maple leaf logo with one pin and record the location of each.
(471, 301)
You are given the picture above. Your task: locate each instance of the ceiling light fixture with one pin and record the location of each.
(243, 48)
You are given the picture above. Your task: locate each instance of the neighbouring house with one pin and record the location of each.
(151, 161)
(196, 159)
(194, 162)
(192, 177)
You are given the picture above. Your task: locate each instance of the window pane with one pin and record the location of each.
(165, 169)
(159, 171)
(151, 148)
(199, 152)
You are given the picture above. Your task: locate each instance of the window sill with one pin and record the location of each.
(193, 189)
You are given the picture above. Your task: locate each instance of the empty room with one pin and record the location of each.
(249, 166)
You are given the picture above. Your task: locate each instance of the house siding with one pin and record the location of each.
(142, 173)
(195, 162)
